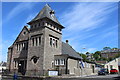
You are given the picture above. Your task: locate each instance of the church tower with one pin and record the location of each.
(44, 40)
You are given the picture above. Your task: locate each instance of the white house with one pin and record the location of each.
(114, 64)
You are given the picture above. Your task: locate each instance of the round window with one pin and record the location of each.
(34, 59)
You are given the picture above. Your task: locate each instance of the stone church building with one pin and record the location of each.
(40, 49)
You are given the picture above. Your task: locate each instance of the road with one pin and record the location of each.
(94, 77)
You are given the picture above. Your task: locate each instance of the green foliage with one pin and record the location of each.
(117, 55)
(114, 48)
(87, 53)
(106, 48)
(83, 56)
(97, 55)
(104, 59)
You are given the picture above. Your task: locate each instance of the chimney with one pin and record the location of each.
(67, 41)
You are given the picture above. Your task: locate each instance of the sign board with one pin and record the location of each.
(53, 73)
(118, 63)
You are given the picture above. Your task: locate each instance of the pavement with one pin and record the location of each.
(92, 77)
(0, 77)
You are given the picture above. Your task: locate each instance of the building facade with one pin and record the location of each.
(111, 53)
(114, 64)
(39, 49)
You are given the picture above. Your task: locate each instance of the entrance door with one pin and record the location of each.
(93, 69)
(119, 68)
(22, 67)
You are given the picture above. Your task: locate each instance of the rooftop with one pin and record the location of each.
(67, 49)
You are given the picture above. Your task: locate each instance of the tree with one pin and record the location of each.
(106, 48)
(87, 53)
(114, 48)
(83, 56)
(97, 55)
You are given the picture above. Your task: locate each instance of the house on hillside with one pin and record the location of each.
(2, 66)
(110, 53)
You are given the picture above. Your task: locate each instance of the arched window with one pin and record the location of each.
(50, 41)
(36, 41)
(33, 41)
(34, 59)
(56, 43)
(40, 40)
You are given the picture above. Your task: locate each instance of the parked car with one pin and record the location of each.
(103, 71)
(113, 71)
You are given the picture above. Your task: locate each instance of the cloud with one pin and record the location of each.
(87, 16)
(90, 50)
(82, 21)
(18, 9)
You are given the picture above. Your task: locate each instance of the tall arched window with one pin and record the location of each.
(36, 41)
(33, 41)
(40, 40)
(50, 41)
(56, 43)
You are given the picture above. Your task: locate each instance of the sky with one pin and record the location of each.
(89, 25)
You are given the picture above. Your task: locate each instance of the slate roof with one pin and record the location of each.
(45, 13)
(67, 49)
(3, 64)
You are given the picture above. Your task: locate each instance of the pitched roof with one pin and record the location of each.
(3, 64)
(67, 49)
(46, 12)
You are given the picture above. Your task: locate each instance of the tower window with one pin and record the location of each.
(39, 40)
(50, 41)
(17, 46)
(33, 41)
(56, 43)
(36, 42)
(50, 25)
(60, 29)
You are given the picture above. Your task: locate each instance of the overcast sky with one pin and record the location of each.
(87, 25)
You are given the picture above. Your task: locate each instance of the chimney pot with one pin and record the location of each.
(67, 41)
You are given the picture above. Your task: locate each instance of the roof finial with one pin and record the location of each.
(47, 5)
